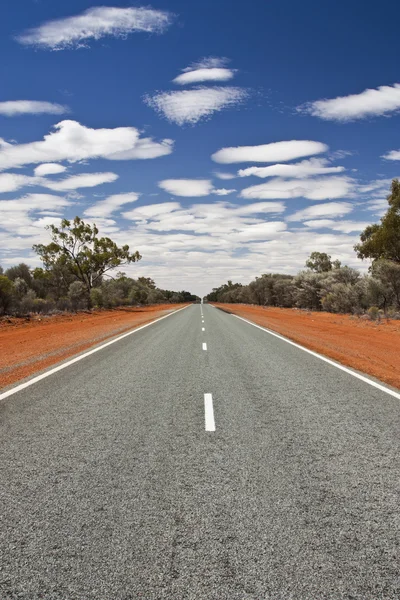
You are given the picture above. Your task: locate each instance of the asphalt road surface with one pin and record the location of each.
(163, 468)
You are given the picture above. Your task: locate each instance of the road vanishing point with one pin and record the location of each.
(199, 458)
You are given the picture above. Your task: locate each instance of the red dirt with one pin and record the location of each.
(30, 345)
(368, 346)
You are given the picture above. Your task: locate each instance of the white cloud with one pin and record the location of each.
(192, 188)
(83, 180)
(343, 226)
(318, 188)
(208, 69)
(261, 207)
(200, 75)
(106, 207)
(224, 176)
(151, 210)
(93, 24)
(189, 106)
(49, 169)
(13, 108)
(9, 182)
(73, 142)
(329, 210)
(305, 168)
(145, 148)
(277, 151)
(392, 155)
(187, 187)
(223, 192)
(262, 231)
(17, 218)
(369, 103)
(378, 206)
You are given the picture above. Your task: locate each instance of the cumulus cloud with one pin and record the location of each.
(369, 103)
(106, 207)
(22, 218)
(208, 69)
(190, 106)
(329, 210)
(343, 226)
(192, 188)
(276, 151)
(9, 182)
(13, 108)
(392, 155)
(83, 180)
(200, 75)
(305, 168)
(187, 187)
(318, 188)
(145, 148)
(223, 192)
(49, 169)
(73, 142)
(224, 176)
(94, 24)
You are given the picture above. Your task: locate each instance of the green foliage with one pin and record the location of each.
(320, 262)
(6, 294)
(382, 241)
(21, 271)
(77, 295)
(373, 313)
(388, 273)
(76, 246)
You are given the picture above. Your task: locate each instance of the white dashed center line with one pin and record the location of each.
(209, 412)
(204, 346)
(203, 328)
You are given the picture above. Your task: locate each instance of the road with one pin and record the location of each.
(122, 480)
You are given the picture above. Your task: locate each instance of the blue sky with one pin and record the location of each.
(279, 135)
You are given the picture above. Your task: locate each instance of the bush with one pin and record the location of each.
(77, 295)
(6, 294)
(27, 304)
(374, 313)
(96, 297)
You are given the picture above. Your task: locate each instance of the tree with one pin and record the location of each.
(320, 262)
(388, 273)
(383, 240)
(77, 246)
(21, 271)
(6, 294)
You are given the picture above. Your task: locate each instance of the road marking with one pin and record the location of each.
(209, 412)
(380, 387)
(204, 346)
(22, 386)
(203, 328)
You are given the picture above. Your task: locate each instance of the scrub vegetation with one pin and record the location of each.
(327, 285)
(74, 276)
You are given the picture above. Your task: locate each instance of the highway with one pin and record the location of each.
(200, 458)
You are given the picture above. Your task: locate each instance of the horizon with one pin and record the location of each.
(220, 144)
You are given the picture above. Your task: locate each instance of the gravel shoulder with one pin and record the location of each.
(29, 345)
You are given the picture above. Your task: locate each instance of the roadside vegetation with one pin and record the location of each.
(327, 285)
(75, 276)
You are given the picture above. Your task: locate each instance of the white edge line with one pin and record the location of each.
(380, 387)
(23, 386)
(209, 413)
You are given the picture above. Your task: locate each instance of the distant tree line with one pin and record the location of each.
(73, 276)
(327, 285)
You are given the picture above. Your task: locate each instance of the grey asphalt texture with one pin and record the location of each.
(111, 489)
